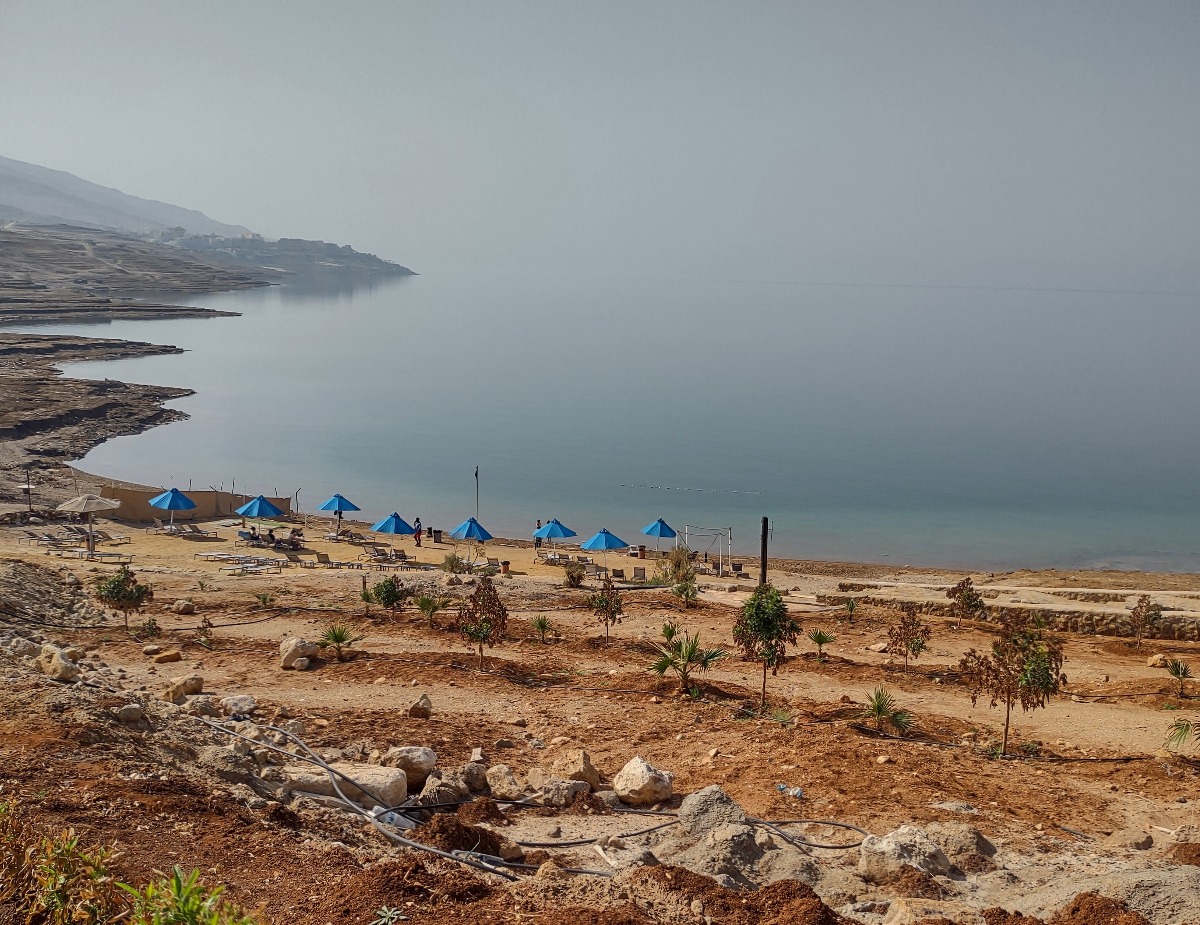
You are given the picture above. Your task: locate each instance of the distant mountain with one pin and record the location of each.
(33, 195)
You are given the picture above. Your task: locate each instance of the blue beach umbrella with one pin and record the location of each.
(173, 500)
(660, 529)
(470, 529)
(553, 530)
(393, 523)
(604, 541)
(259, 507)
(338, 503)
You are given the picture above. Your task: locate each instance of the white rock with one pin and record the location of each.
(577, 765)
(1156, 661)
(882, 857)
(301, 664)
(641, 784)
(294, 648)
(54, 664)
(239, 703)
(503, 783)
(416, 761)
(389, 784)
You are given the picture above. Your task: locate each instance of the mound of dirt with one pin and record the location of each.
(1084, 909)
(1187, 853)
(411, 878)
(784, 902)
(481, 810)
(449, 834)
(916, 884)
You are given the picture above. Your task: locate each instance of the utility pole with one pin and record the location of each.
(762, 563)
(476, 492)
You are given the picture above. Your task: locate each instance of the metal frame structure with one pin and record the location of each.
(724, 555)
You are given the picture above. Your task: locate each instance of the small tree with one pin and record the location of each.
(682, 654)
(687, 592)
(390, 593)
(764, 630)
(122, 591)
(820, 638)
(339, 636)
(1179, 670)
(483, 618)
(542, 626)
(851, 606)
(909, 636)
(606, 605)
(881, 709)
(968, 603)
(1025, 667)
(1144, 617)
(429, 605)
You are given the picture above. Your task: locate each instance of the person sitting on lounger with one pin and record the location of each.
(255, 539)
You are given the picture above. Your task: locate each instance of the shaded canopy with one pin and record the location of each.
(554, 530)
(393, 523)
(659, 528)
(470, 529)
(339, 503)
(259, 507)
(604, 540)
(173, 500)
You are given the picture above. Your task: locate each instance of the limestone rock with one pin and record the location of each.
(503, 783)
(706, 809)
(25, 647)
(183, 606)
(301, 664)
(390, 785)
(640, 784)
(163, 658)
(474, 775)
(878, 647)
(54, 664)
(965, 846)
(422, 708)
(1157, 660)
(151, 650)
(294, 648)
(179, 689)
(416, 762)
(204, 705)
(576, 764)
(561, 793)
(240, 704)
(226, 764)
(131, 714)
(451, 581)
(882, 857)
(444, 787)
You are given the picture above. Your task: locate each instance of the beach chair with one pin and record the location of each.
(494, 563)
(121, 558)
(105, 537)
(30, 537)
(323, 559)
(618, 574)
(639, 573)
(193, 530)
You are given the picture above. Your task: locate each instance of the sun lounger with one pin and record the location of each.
(323, 559)
(193, 530)
(618, 574)
(122, 558)
(494, 563)
(105, 537)
(639, 573)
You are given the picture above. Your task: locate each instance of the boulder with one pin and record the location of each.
(640, 784)
(503, 783)
(294, 648)
(474, 775)
(882, 857)
(239, 704)
(422, 707)
(444, 787)
(163, 658)
(390, 785)
(227, 764)
(416, 762)
(965, 846)
(301, 664)
(151, 650)
(25, 647)
(1157, 660)
(179, 689)
(204, 705)
(184, 607)
(561, 793)
(54, 664)
(706, 809)
(576, 764)
(130, 714)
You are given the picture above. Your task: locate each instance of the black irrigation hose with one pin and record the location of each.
(579, 842)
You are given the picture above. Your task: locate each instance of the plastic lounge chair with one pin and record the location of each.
(105, 537)
(618, 574)
(193, 530)
(639, 573)
(494, 563)
(123, 558)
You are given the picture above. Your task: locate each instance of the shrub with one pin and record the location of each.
(1179, 670)
(606, 605)
(1181, 730)
(676, 568)
(820, 638)
(265, 599)
(454, 564)
(150, 628)
(764, 630)
(182, 899)
(574, 573)
(851, 606)
(390, 593)
(687, 592)
(682, 654)
(429, 605)
(339, 636)
(542, 626)
(1025, 667)
(909, 636)
(881, 709)
(483, 618)
(1144, 617)
(122, 591)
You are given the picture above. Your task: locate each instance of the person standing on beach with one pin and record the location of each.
(417, 530)
(537, 540)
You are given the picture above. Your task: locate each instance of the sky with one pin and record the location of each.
(1048, 143)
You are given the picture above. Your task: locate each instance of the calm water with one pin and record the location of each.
(959, 427)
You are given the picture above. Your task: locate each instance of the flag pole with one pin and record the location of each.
(476, 492)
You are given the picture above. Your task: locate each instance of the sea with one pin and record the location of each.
(960, 427)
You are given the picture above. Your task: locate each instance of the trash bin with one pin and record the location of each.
(429, 532)
(437, 535)
(641, 552)
(503, 566)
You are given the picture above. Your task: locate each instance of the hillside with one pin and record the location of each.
(36, 195)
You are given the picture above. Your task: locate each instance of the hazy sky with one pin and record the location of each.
(997, 143)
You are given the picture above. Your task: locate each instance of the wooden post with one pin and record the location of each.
(762, 564)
